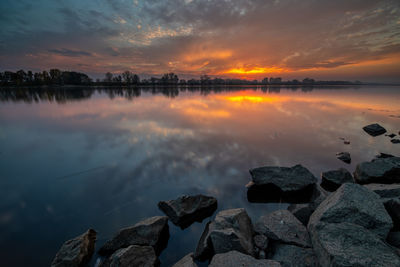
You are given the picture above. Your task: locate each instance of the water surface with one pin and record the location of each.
(76, 158)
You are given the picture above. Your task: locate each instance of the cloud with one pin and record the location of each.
(70, 53)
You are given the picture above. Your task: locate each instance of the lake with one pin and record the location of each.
(79, 158)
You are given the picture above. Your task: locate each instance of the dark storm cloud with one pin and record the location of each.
(197, 36)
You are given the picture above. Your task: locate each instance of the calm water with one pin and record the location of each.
(75, 159)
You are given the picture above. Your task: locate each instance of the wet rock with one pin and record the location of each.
(301, 211)
(149, 232)
(374, 129)
(231, 230)
(383, 156)
(276, 184)
(356, 204)
(132, 256)
(385, 171)
(332, 180)
(395, 141)
(261, 241)
(283, 226)
(77, 251)
(289, 255)
(185, 210)
(344, 156)
(390, 135)
(186, 261)
(385, 190)
(235, 258)
(394, 239)
(346, 244)
(393, 208)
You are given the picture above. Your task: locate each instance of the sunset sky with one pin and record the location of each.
(324, 39)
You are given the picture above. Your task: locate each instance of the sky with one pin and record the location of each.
(250, 39)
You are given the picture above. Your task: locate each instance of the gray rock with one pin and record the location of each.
(77, 251)
(133, 255)
(395, 141)
(231, 230)
(346, 244)
(149, 232)
(186, 261)
(261, 241)
(235, 259)
(394, 239)
(353, 203)
(289, 255)
(393, 208)
(384, 171)
(390, 135)
(344, 156)
(374, 129)
(275, 184)
(332, 180)
(385, 190)
(185, 210)
(383, 156)
(283, 226)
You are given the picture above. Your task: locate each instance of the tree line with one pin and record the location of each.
(59, 78)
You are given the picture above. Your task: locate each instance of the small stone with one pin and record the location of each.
(332, 180)
(395, 141)
(383, 156)
(374, 129)
(344, 156)
(390, 135)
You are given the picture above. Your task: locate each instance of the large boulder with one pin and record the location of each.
(385, 190)
(133, 255)
(332, 180)
(186, 261)
(374, 129)
(231, 230)
(346, 244)
(289, 255)
(383, 170)
(77, 251)
(149, 232)
(235, 258)
(393, 208)
(283, 226)
(275, 184)
(356, 204)
(185, 210)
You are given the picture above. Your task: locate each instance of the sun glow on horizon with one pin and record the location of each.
(255, 70)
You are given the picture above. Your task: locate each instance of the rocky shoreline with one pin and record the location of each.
(346, 220)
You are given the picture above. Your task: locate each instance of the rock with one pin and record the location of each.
(383, 156)
(149, 232)
(344, 156)
(395, 141)
(289, 255)
(186, 261)
(391, 135)
(384, 171)
(133, 255)
(374, 129)
(346, 244)
(261, 241)
(282, 226)
(346, 142)
(277, 184)
(231, 230)
(394, 239)
(187, 209)
(385, 190)
(332, 180)
(393, 208)
(353, 203)
(235, 259)
(77, 251)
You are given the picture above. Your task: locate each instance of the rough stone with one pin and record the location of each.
(149, 232)
(344, 156)
(261, 241)
(395, 141)
(133, 255)
(390, 135)
(332, 180)
(185, 210)
(276, 184)
(346, 244)
(393, 208)
(289, 255)
(186, 261)
(235, 259)
(77, 251)
(385, 190)
(383, 156)
(374, 129)
(231, 230)
(283, 226)
(356, 204)
(394, 239)
(384, 170)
